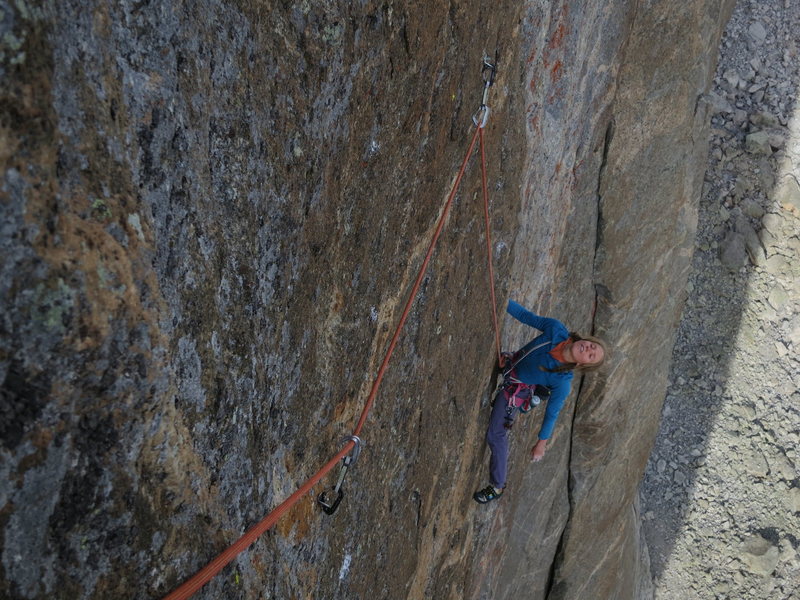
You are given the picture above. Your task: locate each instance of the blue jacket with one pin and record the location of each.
(527, 370)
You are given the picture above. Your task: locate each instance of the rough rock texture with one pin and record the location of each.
(211, 214)
(721, 494)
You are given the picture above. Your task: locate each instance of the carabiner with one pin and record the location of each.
(328, 504)
(481, 116)
(491, 68)
(356, 448)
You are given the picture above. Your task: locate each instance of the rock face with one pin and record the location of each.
(211, 216)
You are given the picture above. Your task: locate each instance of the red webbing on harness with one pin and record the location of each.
(203, 576)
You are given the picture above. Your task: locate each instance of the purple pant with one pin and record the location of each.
(497, 437)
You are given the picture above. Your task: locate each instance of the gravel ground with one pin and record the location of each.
(721, 493)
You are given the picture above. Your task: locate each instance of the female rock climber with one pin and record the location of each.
(543, 367)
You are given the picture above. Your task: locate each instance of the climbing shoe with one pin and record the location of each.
(487, 494)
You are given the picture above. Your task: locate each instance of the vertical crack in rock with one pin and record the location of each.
(598, 238)
(559, 553)
(601, 292)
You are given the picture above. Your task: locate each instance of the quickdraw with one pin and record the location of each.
(488, 72)
(330, 504)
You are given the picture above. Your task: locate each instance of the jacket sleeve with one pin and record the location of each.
(558, 395)
(523, 315)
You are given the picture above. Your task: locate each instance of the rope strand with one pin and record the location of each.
(415, 288)
(489, 246)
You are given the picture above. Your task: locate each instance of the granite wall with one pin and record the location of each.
(211, 216)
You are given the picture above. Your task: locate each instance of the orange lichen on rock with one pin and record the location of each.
(297, 522)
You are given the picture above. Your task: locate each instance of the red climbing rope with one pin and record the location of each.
(188, 588)
(489, 246)
(415, 289)
(215, 566)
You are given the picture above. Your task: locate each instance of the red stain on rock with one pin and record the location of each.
(554, 47)
(558, 36)
(556, 71)
(576, 168)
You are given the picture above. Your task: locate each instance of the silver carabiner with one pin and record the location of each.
(356, 448)
(481, 116)
(348, 460)
(488, 79)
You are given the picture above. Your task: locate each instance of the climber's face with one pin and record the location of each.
(585, 352)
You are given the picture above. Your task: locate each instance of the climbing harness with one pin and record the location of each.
(520, 395)
(330, 502)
